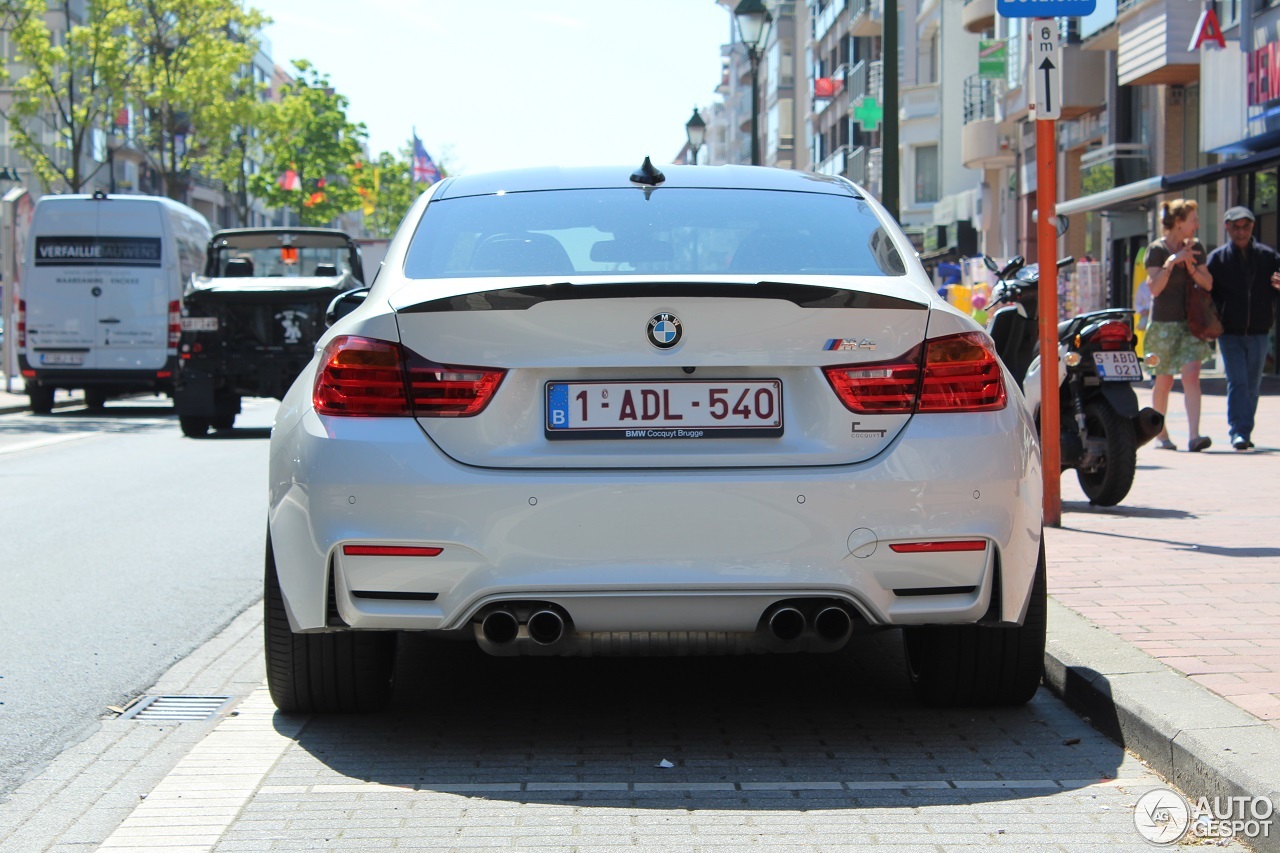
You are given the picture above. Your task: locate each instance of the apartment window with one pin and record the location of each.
(926, 171)
(1228, 13)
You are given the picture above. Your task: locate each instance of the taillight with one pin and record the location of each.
(959, 373)
(360, 377)
(175, 325)
(1112, 335)
(365, 377)
(450, 391)
(22, 324)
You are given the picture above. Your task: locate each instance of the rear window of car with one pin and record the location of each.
(667, 231)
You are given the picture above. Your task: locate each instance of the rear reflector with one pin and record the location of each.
(175, 325)
(959, 373)
(939, 547)
(389, 551)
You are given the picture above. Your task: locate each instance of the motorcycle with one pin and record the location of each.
(1102, 426)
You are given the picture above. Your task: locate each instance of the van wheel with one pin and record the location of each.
(95, 398)
(322, 673)
(954, 665)
(41, 399)
(224, 421)
(193, 427)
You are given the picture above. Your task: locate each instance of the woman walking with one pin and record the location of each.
(1174, 263)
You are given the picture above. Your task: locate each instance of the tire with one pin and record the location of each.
(1109, 485)
(959, 665)
(41, 399)
(342, 672)
(193, 427)
(95, 398)
(224, 421)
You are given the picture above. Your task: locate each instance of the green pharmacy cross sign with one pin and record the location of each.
(868, 114)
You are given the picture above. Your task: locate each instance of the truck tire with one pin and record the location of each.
(344, 672)
(193, 427)
(41, 399)
(224, 421)
(958, 665)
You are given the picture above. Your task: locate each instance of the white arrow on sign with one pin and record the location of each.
(1046, 68)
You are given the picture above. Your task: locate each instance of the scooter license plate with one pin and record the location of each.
(1118, 366)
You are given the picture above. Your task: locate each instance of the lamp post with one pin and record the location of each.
(695, 130)
(752, 19)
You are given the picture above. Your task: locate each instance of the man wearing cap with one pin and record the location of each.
(1246, 287)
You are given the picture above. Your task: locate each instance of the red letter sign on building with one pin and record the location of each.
(1207, 29)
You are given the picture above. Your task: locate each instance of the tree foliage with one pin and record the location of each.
(189, 54)
(228, 144)
(72, 79)
(308, 135)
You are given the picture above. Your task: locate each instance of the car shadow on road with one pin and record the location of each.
(1215, 550)
(1127, 511)
(239, 432)
(754, 732)
(115, 419)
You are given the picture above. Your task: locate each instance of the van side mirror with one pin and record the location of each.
(344, 303)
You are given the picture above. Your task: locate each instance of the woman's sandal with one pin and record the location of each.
(1166, 444)
(1199, 443)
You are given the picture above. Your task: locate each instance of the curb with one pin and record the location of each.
(1202, 743)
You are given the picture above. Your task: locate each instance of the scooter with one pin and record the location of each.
(1102, 426)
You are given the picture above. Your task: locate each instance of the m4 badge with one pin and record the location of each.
(849, 344)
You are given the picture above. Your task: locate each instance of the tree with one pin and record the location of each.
(229, 144)
(188, 58)
(310, 151)
(74, 77)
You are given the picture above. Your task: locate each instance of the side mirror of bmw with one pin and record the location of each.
(343, 304)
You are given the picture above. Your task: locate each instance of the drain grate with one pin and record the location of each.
(180, 708)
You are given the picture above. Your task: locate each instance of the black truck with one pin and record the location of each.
(250, 323)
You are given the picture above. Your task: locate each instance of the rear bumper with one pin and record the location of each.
(117, 380)
(661, 550)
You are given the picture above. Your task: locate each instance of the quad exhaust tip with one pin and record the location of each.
(546, 627)
(500, 627)
(832, 624)
(787, 623)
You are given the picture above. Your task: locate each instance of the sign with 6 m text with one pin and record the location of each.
(1045, 8)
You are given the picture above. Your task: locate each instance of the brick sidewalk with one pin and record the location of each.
(1187, 568)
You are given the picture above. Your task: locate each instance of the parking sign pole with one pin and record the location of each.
(1047, 252)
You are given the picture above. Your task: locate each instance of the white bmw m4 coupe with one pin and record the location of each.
(597, 411)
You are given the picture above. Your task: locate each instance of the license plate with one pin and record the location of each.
(680, 409)
(199, 324)
(71, 358)
(1118, 366)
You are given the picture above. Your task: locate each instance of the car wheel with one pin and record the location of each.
(322, 673)
(41, 399)
(954, 665)
(224, 421)
(1109, 484)
(193, 427)
(95, 398)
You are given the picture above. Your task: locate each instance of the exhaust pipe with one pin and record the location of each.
(500, 627)
(546, 627)
(832, 624)
(1147, 425)
(786, 623)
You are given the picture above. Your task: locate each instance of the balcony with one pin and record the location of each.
(836, 163)
(978, 15)
(981, 144)
(864, 18)
(919, 102)
(829, 90)
(1111, 166)
(825, 19)
(864, 168)
(865, 80)
(1153, 45)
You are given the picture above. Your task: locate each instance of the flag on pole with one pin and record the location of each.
(424, 169)
(289, 181)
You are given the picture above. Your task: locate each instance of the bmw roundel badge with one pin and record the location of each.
(664, 330)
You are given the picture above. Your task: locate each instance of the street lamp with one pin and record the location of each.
(695, 129)
(752, 19)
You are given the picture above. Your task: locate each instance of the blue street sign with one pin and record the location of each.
(1045, 8)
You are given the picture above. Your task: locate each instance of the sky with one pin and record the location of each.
(499, 84)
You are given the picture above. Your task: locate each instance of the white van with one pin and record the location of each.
(101, 294)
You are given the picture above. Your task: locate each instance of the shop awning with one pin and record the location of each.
(1139, 190)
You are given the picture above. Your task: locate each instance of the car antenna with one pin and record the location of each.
(647, 174)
